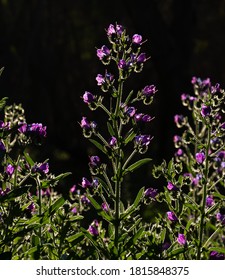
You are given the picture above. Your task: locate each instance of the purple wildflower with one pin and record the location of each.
(73, 189)
(95, 161)
(171, 187)
(181, 239)
(205, 110)
(74, 210)
(143, 140)
(214, 255)
(149, 90)
(2, 146)
(85, 200)
(122, 64)
(105, 206)
(141, 58)
(209, 201)
(88, 97)
(85, 123)
(151, 193)
(137, 39)
(200, 157)
(100, 80)
(171, 216)
(103, 52)
(179, 120)
(85, 183)
(113, 141)
(44, 168)
(93, 230)
(10, 169)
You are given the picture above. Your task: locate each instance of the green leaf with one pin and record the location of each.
(28, 159)
(3, 102)
(217, 249)
(129, 137)
(176, 252)
(98, 145)
(110, 129)
(134, 206)
(99, 209)
(76, 238)
(137, 165)
(14, 194)
(55, 206)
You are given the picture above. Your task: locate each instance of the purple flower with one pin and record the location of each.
(209, 201)
(2, 146)
(74, 210)
(85, 123)
(143, 140)
(205, 110)
(95, 161)
(111, 30)
(37, 128)
(122, 64)
(85, 200)
(179, 120)
(141, 117)
(105, 206)
(137, 39)
(88, 97)
(171, 187)
(113, 141)
(181, 239)
(200, 157)
(214, 255)
(130, 111)
(177, 139)
(10, 169)
(141, 58)
(31, 207)
(151, 193)
(73, 189)
(100, 80)
(171, 216)
(93, 230)
(95, 183)
(220, 218)
(149, 90)
(44, 168)
(179, 153)
(85, 183)
(103, 52)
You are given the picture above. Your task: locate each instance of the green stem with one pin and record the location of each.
(203, 213)
(118, 170)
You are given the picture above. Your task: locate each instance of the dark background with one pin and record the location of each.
(48, 49)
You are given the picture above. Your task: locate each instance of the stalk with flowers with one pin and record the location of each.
(194, 192)
(123, 142)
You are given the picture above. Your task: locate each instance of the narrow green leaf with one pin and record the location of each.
(98, 145)
(55, 206)
(3, 102)
(129, 137)
(176, 252)
(73, 237)
(139, 197)
(110, 129)
(14, 194)
(136, 165)
(99, 209)
(28, 159)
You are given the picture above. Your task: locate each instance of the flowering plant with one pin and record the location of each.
(96, 220)
(194, 191)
